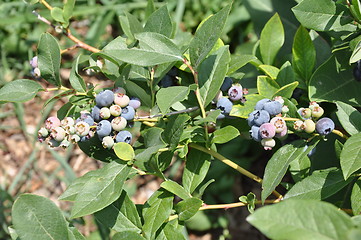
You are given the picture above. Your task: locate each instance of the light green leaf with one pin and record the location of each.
(175, 188)
(303, 54)
(350, 155)
(211, 74)
(207, 35)
(75, 79)
(266, 86)
(323, 15)
(36, 217)
(74, 234)
(286, 91)
(172, 231)
(68, 9)
(99, 192)
(245, 109)
(160, 22)
(166, 97)
(296, 219)
(130, 25)
(57, 14)
(20, 90)
(238, 61)
(49, 58)
(272, 39)
(129, 235)
(277, 166)
(156, 210)
(318, 186)
(225, 134)
(188, 208)
(122, 215)
(349, 117)
(355, 198)
(124, 151)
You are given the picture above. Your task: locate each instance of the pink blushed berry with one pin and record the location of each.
(235, 92)
(282, 134)
(52, 122)
(121, 99)
(279, 123)
(115, 110)
(82, 128)
(34, 62)
(68, 121)
(58, 134)
(267, 130)
(105, 113)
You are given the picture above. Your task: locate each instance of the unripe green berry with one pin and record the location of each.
(58, 134)
(115, 110)
(298, 125)
(309, 126)
(43, 133)
(82, 128)
(118, 123)
(317, 112)
(105, 113)
(268, 143)
(108, 142)
(121, 99)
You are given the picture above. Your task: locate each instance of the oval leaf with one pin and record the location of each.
(225, 134)
(21, 90)
(188, 208)
(349, 117)
(124, 151)
(175, 188)
(350, 155)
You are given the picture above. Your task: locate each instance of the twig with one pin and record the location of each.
(165, 115)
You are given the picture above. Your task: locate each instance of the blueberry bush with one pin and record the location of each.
(289, 85)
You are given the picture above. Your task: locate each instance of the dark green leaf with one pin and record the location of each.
(188, 208)
(175, 188)
(166, 97)
(20, 90)
(207, 35)
(49, 58)
(302, 219)
(300, 168)
(36, 217)
(225, 134)
(211, 74)
(160, 22)
(94, 148)
(349, 117)
(121, 215)
(286, 74)
(350, 155)
(272, 39)
(75, 79)
(174, 129)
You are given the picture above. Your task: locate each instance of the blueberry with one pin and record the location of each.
(267, 130)
(108, 142)
(258, 117)
(255, 133)
(235, 92)
(119, 123)
(58, 134)
(227, 84)
(82, 128)
(124, 136)
(357, 71)
(89, 120)
(95, 113)
(121, 99)
(273, 107)
(104, 128)
(34, 62)
(268, 143)
(225, 105)
(325, 126)
(115, 110)
(309, 126)
(279, 123)
(260, 104)
(104, 98)
(52, 122)
(281, 134)
(166, 81)
(135, 102)
(128, 113)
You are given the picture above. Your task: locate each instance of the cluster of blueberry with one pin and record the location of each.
(266, 123)
(35, 71)
(311, 114)
(107, 119)
(235, 93)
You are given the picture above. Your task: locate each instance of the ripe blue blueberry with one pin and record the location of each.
(273, 107)
(128, 113)
(166, 81)
(225, 105)
(95, 113)
(124, 136)
(104, 98)
(357, 71)
(104, 128)
(227, 84)
(258, 117)
(260, 104)
(325, 126)
(235, 92)
(255, 133)
(135, 102)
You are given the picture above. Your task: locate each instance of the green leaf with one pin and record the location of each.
(272, 39)
(318, 186)
(225, 134)
(266, 86)
(296, 219)
(174, 129)
(243, 110)
(36, 217)
(130, 25)
(122, 215)
(331, 83)
(286, 91)
(211, 74)
(355, 198)
(166, 97)
(74, 234)
(124, 151)
(350, 155)
(99, 192)
(270, 71)
(75, 79)
(286, 74)
(171, 230)
(238, 61)
(49, 58)
(160, 22)
(338, 148)
(277, 166)
(129, 235)
(303, 54)
(175, 188)
(57, 14)
(323, 15)
(300, 168)
(250, 200)
(349, 117)
(156, 210)
(94, 149)
(207, 35)
(68, 9)
(188, 208)
(20, 90)
(196, 169)
(356, 53)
